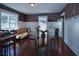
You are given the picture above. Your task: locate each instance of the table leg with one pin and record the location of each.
(14, 46)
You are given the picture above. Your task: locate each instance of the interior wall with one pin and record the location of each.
(33, 26)
(21, 24)
(71, 34)
(52, 26)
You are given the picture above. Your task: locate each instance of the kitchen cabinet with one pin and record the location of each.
(71, 9)
(22, 17)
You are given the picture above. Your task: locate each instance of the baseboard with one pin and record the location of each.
(71, 47)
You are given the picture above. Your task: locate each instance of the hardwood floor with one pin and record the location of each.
(23, 49)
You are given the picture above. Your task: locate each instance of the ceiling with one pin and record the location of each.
(38, 8)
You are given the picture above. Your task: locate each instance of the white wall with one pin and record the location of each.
(71, 36)
(52, 26)
(33, 26)
(21, 24)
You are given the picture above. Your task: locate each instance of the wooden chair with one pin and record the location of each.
(41, 45)
(31, 40)
(55, 42)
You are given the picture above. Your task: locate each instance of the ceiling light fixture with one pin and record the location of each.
(32, 4)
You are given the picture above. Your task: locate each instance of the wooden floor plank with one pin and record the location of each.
(23, 49)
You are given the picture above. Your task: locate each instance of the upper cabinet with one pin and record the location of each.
(71, 9)
(22, 17)
(53, 17)
(32, 18)
(77, 7)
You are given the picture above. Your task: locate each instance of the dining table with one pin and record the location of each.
(11, 39)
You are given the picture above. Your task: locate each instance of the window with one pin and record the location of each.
(13, 21)
(42, 22)
(8, 21)
(4, 21)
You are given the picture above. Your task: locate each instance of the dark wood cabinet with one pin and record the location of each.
(32, 18)
(71, 9)
(77, 9)
(22, 17)
(68, 10)
(53, 17)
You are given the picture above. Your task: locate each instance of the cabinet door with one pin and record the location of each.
(77, 9)
(71, 10)
(22, 17)
(67, 11)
